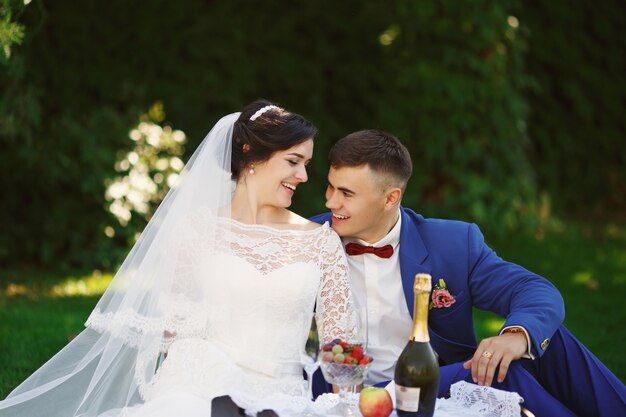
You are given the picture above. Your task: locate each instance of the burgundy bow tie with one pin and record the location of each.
(357, 249)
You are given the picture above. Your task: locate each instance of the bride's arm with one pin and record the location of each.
(335, 309)
(185, 309)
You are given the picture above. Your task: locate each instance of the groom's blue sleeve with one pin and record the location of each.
(321, 218)
(511, 291)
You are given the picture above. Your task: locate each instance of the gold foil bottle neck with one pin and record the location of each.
(423, 283)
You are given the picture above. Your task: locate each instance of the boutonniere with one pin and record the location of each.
(441, 297)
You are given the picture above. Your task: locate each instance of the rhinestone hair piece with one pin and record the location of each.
(262, 110)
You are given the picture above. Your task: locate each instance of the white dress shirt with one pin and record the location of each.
(377, 288)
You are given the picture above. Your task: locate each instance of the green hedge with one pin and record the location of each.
(456, 95)
(577, 122)
(448, 77)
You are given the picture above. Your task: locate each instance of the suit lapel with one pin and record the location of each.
(413, 254)
(414, 258)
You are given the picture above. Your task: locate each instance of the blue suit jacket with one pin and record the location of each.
(477, 277)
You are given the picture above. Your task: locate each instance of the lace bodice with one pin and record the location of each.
(249, 291)
(263, 268)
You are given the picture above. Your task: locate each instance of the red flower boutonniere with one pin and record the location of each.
(441, 297)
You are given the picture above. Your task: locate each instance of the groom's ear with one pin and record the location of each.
(393, 197)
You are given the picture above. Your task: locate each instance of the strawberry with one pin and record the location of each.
(357, 352)
(365, 360)
(351, 360)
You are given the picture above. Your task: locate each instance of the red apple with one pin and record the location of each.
(375, 402)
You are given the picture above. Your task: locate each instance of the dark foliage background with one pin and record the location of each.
(577, 124)
(511, 110)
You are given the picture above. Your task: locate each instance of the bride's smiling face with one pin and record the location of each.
(277, 179)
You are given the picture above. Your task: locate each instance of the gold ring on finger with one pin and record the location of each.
(487, 354)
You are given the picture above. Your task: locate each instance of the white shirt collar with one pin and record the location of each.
(392, 238)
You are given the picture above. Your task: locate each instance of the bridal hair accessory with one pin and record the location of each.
(261, 111)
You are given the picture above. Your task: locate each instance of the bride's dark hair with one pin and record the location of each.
(261, 131)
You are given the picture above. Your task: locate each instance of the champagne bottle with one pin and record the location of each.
(417, 370)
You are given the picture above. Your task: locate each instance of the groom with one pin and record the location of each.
(387, 244)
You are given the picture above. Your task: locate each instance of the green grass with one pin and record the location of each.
(33, 330)
(40, 313)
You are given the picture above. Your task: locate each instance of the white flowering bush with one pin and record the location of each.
(146, 171)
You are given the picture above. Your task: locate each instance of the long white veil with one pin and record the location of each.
(109, 365)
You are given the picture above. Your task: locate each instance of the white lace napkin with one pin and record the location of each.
(289, 406)
(473, 400)
(468, 400)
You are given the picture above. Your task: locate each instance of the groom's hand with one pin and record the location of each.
(498, 350)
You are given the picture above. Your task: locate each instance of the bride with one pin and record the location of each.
(222, 284)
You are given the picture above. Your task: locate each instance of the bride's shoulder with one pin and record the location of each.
(298, 222)
(323, 231)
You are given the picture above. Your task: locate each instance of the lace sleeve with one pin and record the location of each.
(335, 309)
(176, 310)
(186, 312)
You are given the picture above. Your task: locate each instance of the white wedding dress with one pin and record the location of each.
(242, 334)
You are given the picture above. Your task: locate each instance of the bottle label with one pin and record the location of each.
(407, 398)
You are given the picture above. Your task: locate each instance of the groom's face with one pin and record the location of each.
(357, 200)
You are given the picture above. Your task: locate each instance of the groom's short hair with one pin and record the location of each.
(382, 151)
